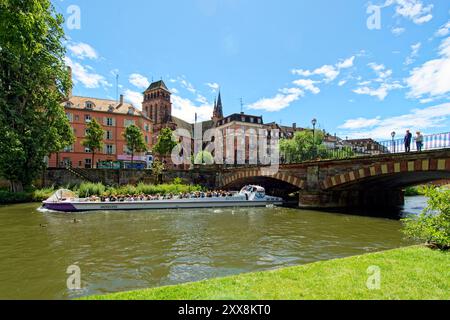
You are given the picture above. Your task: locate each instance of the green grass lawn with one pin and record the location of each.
(407, 273)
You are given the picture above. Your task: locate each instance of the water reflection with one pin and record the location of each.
(119, 251)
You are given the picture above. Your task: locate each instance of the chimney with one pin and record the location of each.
(121, 100)
(69, 91)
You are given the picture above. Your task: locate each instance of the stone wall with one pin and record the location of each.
(207, 177)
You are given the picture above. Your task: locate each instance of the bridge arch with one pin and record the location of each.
(390, 174)
(254, 175)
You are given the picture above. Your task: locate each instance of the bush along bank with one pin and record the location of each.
(97, 189)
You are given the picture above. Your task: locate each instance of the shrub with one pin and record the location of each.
(42, 194)
(7, 197)
(415, 191)
(89, 189)
(433, 225)
(177, 181)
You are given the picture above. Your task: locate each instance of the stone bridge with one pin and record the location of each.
(366, 181)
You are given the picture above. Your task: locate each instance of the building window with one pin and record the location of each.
(128, 123)
(147, 127)
(259, 121)
(77, 118)
(252, 120)
(146, 139)
(109, 135)
(87, 150)
(109, 122)
(69, 116)
(89, 105)
(88, 163)
(109, 149)
(87, 118)
(68, 149)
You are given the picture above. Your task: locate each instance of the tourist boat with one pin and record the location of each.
(249, 196)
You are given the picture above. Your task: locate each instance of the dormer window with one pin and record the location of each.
(69, 104)
(89, 105)
(130, 110)
(111, 108)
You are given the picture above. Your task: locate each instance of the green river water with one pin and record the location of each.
(118, 251)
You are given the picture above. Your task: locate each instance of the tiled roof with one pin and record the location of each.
(102, 105)
(158, 85)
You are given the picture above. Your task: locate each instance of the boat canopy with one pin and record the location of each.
(61, 195)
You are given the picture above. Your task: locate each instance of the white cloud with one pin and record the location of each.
(398, 31)
(307, 84)
(426, 119)
(185, 109)
(347, 63)
(414, 53)
(81, 74)
(342, 82)
(381, 92)
(444, 30)
(360, 123)
(139, 81)
(281, 101)
(413, 10)
(328, 72)
(432, 78)
(134, 97)
(82, 50)
(213, 86)
(383, 80)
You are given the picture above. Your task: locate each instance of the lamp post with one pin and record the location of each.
(314, 122)
(393, 142)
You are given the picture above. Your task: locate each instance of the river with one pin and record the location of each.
(118, 251)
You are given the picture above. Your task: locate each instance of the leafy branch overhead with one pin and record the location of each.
(34, 82)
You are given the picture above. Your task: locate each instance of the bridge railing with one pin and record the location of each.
(430, 142)
(368, 148)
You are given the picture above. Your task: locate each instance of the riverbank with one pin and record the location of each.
(407, 273)
(98, 189)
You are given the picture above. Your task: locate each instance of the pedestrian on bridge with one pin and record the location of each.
(419, 141)
(408, 140)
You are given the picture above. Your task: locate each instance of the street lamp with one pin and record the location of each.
(393, 142)
(314, 122)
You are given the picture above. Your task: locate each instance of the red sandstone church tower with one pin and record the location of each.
(158, 107)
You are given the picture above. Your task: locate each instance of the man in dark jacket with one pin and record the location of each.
(408, 139)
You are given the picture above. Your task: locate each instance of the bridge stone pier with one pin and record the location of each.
(373, 181)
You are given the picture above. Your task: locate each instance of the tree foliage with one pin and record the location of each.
(34, 81)
(135, 140)
(433, 225)
(203, 157)
(308, 145)
(94, 138)
(305, 145)
(165, 143)
(157, 171)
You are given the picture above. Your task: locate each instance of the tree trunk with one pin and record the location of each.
(16, 186)
(93, 158)
(132, 160)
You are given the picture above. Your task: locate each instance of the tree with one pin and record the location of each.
(34, 82)
(135, 141)
(203, 157)
(165, 143)
(433, 225)
(303, 146)
(157, 171)
(94, 138)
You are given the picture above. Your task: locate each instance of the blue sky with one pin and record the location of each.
(358, 72)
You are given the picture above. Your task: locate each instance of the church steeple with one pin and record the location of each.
(218, 109)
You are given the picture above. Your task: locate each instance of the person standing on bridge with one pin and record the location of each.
(419, 141)
(407, 140)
